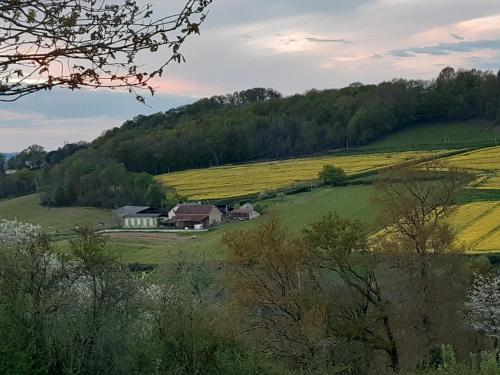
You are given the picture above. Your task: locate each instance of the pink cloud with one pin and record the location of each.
(181, 86)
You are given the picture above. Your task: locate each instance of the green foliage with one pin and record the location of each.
(57, 156)
(84, 180)
(332, 175)
(33, 158)
(3, 164)
(445, 363)
(88, 315)
(21, 183)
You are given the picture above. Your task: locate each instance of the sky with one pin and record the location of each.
(288, 45)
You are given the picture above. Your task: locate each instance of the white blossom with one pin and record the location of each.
(483, 305)
(15, 233)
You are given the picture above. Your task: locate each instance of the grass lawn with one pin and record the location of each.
(463, 134)
(28, 209)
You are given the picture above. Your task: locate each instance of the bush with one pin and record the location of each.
(443, 362)
(332, 175)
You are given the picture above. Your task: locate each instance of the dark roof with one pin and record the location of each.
(190, 217)
(143, 215)
(199, 209)
(130, 210)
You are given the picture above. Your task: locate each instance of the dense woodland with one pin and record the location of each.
(256, 124)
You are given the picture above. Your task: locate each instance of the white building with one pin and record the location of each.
(138, 217)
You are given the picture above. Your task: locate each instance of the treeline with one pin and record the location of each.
(85, 180)
(35, 156)
(220, 130)
(21, 183)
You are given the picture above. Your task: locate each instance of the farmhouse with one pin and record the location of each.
(244, 213)
(173, 210)
(138, 217)
(199, 215)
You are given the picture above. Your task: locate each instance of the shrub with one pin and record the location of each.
(332, 175)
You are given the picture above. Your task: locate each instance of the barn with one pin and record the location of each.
(200, 215)
(138, 217)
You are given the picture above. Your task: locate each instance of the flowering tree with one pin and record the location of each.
(88, 43)
(483, 306)
(14, 233)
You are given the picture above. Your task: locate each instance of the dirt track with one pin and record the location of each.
(142, 237)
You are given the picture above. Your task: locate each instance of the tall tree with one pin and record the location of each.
(88, 43)
(416, 203)
(341, 246)
(3, 164)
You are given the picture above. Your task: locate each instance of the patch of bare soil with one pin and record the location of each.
(149, 238)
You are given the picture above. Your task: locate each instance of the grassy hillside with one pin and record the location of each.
(440, 135)
(477, 225)
(28, 209)
(247, 179)
(296, 211)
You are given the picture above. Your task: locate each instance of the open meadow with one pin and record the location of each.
(243, 180)
(60, 219)
(456, 134)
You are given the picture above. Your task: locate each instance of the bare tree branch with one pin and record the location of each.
(88, 43)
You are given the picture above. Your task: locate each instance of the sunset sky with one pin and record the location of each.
(289, 45)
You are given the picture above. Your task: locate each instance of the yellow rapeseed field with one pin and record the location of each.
(478, 226)
(247, 179)
(487, 159)
(490, 183)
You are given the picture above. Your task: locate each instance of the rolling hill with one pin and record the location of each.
(60, 220)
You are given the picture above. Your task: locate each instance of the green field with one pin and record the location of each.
(474, 133)
(28, 209)
(296, 211)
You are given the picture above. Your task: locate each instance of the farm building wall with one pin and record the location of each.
(143, 222)
(215, 216)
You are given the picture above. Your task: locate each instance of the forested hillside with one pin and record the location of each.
(259, 124)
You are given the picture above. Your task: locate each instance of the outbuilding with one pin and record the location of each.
(138, 217)
(244, 213)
